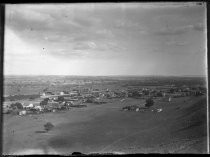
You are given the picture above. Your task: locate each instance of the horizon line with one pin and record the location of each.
(106, 75)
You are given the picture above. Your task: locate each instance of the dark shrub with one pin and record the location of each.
(89, 100)
(17, 105)
(172, 90)
(60, 99)
(159, 94)
(146, 92)
(149, 102)
(44, 102)
(48, 126)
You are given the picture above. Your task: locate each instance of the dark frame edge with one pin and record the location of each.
(2, 26)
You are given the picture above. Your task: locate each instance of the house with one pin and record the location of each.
(122, 100)
(88, 96)
(52, 104)
(46, 94)
(169, 99)
(96, 93)
(177, 94)
(78, 102)
(86, 90)
(164, 94)
(73, 93)
(23, 112)
(62, 93)
(131, 108)
(39, 108)
(29, 106)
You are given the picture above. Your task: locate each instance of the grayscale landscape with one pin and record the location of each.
(121, 78)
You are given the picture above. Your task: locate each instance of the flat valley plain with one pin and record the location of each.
(181, 127)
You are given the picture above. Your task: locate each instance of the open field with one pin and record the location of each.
(104, 128)
(180, 128)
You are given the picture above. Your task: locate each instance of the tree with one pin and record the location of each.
(44, 102)
(48, 126)
(146, 92)
(172, 90)
(60, 98)
(89, 100)
(149, 102)
(159, 94)
(46, 99)
(136, 94)
(17, 105)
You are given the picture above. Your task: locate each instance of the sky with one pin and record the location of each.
(105, 39)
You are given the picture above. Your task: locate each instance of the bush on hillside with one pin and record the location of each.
(44, 102)
(17, 105)
(149, 102)
(48, 126)
(159, 94)
(60, 99)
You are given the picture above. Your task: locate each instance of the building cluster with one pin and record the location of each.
(137, 108)
(166, 92)
(65, 100)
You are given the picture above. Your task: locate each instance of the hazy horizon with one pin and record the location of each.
(111, 75)
(106, 39)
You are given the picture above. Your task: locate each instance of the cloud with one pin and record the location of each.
(176, 43)
(84, 45)
(105, 32)
(128, 24)
(57, 26)
(81, 46)
(158, 5)
(179, 30)
(198, 27)
(101, 32)
(92, 45)
(23, 18)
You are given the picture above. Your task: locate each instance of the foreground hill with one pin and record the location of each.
(179, 128)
